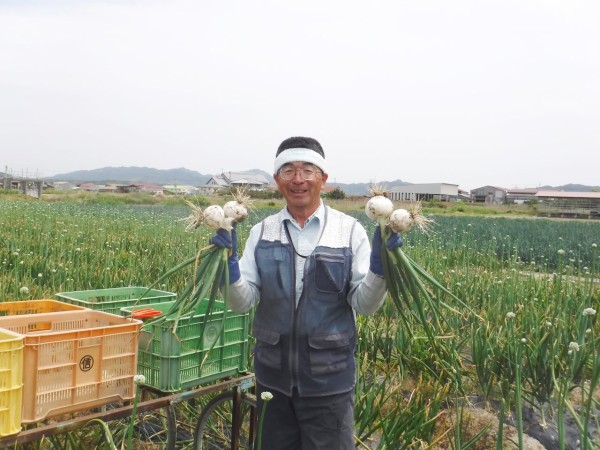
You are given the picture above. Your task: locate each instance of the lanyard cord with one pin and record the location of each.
(287, 233)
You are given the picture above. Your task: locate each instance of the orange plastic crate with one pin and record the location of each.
(35, 307)
(75, 360)
(11, 382)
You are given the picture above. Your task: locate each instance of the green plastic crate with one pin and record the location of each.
(113, 299)
(187, 358)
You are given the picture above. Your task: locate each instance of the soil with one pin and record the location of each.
(537, 434)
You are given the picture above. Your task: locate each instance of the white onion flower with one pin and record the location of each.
(573, 347)
(510, 315)
(24, 290)
(139, 379)
(266, 396)
(589, 312)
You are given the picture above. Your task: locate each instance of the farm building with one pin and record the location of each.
(427, 191)
(496, 195)
(225, 180)
(520, 196)
(489, 194)
(29, 186)
(585, 205)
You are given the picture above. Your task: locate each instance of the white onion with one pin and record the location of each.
(214, 217)
(235, 210)
(379, 207)
(401, 221)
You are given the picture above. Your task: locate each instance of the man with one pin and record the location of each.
(308, 270)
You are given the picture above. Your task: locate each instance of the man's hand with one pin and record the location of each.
(224, 239)
(393, 242)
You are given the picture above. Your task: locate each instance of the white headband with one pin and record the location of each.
(300, 154)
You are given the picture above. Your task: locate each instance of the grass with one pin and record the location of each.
(534, 283)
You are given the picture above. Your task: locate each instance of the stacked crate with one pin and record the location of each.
(74, 358)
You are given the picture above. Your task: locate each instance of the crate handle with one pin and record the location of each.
(145, 313)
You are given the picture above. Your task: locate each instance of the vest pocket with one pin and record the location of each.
(329, 354)
(330, 273)
(268, 347)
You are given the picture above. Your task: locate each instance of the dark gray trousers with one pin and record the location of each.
(307, 423)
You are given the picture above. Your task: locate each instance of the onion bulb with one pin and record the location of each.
(379, 207)
(214, 217)
(402, 220)
(237, 209)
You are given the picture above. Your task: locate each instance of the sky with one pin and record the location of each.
(474, 93)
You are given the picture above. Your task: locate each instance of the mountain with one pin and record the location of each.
(134, 174)
(141, 174)
(571, 188)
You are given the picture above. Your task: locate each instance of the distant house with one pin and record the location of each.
(108, 188)
(427, 191)
(154, 188)
(181, 189)
(63, 185)
(225, 180)
(584, 205)
(90, 187)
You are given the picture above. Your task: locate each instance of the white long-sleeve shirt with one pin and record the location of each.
(367, 290)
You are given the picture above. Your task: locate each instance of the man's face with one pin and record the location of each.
(298, 192)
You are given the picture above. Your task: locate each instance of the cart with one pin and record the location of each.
(226, 421)
(197, 375)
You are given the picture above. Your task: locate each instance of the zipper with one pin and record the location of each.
(295, 353)
(293, 339)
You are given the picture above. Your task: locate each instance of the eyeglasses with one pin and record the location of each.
(307, 173)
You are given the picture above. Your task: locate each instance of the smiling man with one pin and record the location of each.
(308, 270)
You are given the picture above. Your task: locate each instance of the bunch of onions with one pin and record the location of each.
(410, 286)
(210, 279)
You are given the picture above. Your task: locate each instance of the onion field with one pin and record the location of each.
(529, 368)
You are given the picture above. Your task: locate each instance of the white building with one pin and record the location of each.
(245, 180)
(427, 191)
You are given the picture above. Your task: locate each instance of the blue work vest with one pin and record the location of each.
(309, 344)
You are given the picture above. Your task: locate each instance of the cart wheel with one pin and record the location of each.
(157, 428)
(214, 427)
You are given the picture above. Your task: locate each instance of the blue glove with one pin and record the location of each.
(224, 239)
(392, 243)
